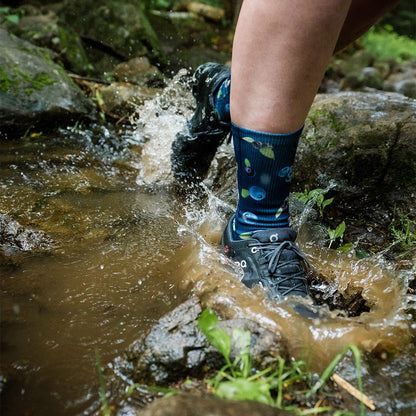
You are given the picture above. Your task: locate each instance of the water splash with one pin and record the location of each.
(159, 121)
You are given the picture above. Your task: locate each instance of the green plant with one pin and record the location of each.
(385, 43)
(14, 18)
(404, 231)
(235, 380)
(103, 398)
(336, 233)
(318, 195)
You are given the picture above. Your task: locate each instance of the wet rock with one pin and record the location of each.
(388, 379)
(33, 89)
(119, 28)
(42, 28)
(364, 143)
(121, 99)
(354, 62)
(188, 40)
(194, 405)
(16, 240)
(15, 236)
(403, 81)
(365, 77)
(175, 348)
(138, 71)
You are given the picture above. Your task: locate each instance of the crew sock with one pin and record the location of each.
(222, 100)
(265, 163)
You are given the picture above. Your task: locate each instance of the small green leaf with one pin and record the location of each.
(14, 18)
(319, 199)
(217, 337)
(242, 389)
(314, 192)
(339, 231)
(207, 320)
(221, 341)
(360, 254)
(327, 202)
(267, 151)
(345, 247)
(247, 163)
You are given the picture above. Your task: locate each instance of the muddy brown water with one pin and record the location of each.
(130, 247)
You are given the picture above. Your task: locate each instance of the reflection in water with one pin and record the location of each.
(131, 249)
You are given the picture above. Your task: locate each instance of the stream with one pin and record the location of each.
(131, 245)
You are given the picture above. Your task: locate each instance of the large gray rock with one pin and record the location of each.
(33, 89)
(175, 348)
(44, 29)
(364, 143)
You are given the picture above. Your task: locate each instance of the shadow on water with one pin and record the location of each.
(130, 248)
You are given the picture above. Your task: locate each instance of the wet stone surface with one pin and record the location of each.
(175, 348)
(193, 405)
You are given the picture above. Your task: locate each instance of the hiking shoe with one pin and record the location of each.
(269, 258)
(195, 146)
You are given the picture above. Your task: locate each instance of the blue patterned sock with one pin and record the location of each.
(265, 163)
(222, 100)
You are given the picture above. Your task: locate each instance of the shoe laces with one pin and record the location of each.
(284, 275)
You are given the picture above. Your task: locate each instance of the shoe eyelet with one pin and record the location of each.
(254, 250)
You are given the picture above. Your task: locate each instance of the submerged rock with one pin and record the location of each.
(14, 235)
(16, 240)
(175, 348)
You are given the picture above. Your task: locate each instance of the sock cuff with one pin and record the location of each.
(264, 136)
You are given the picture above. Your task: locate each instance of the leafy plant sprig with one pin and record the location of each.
(236, 381)
(336, 233)
(318, 195)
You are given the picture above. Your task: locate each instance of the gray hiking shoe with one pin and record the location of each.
(271, 259)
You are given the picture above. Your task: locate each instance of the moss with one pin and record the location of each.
(41, 80)
(5, 81)
(18, 77)
(74, 51)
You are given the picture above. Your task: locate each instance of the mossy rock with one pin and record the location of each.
(33, 89)
(119, 25)
(364, 143)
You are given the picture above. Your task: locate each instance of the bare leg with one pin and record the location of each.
(361, 16)
(281, 50)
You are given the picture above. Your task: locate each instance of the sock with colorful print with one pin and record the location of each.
(265, 163)
(222, 100)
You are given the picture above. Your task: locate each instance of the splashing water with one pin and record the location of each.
(159, 121)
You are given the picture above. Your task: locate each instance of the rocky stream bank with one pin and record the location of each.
(88, 72)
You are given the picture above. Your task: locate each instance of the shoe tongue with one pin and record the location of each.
(274, 235)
